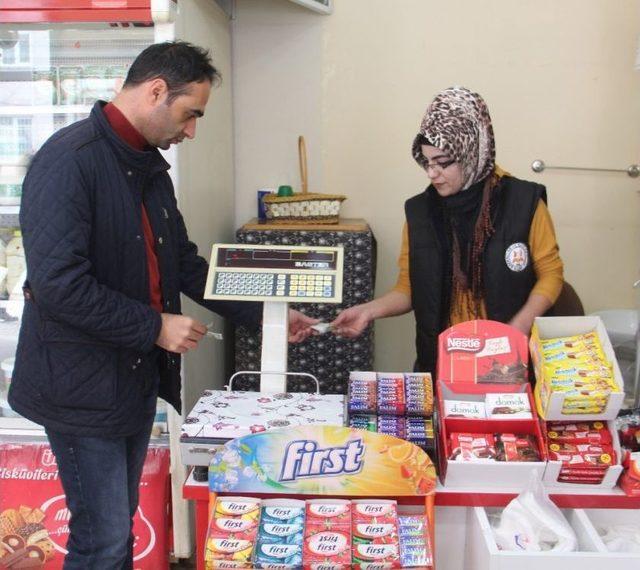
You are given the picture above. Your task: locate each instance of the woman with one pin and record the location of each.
(477, 243)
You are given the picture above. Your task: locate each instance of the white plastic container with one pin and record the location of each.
(482, 552)
(604, 519)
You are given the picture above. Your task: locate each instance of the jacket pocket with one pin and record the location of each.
(82, 372)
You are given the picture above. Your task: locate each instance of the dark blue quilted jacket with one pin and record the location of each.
(86, 356)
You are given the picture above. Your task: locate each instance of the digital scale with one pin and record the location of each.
(275, 275)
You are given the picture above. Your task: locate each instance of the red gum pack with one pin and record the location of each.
(327, 547)
(328, 513)
(374, 511)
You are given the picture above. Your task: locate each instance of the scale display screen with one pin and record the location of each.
(270, 258)
(299, 274)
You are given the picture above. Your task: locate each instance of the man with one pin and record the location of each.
(107, 258)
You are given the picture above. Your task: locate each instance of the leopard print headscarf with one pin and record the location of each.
(457, 121)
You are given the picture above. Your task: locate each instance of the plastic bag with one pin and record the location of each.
(621, 538)
(534, 523)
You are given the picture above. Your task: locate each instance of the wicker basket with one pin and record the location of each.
(305, 207)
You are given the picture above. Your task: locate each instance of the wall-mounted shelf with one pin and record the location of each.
(321, 6)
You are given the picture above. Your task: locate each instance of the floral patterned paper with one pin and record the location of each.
(220, 414)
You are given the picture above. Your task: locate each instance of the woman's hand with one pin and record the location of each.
(536, 306)
(523, 323)
(352, 322)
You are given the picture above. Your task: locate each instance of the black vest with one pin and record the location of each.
(507, 288)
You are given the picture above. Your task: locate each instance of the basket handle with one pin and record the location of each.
(302, 157)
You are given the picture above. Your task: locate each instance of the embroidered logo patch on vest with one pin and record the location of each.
(517, 256)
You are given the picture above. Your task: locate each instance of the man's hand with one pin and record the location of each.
(299, 326)
(179, 333)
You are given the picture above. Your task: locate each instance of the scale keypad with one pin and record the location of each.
(317, 285)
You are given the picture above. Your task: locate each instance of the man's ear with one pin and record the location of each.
(157, 91)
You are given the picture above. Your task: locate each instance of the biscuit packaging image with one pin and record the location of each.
(10, 521)
(464, 409)
(34, 518)
(508, 406)
(24, 540)
(25, 557)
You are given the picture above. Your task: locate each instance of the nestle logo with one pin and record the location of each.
(464, 344)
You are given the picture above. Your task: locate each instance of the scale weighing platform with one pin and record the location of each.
(275, 275)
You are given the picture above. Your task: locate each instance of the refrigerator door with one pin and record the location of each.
(50, 77)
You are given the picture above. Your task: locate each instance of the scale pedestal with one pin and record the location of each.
(275, 345)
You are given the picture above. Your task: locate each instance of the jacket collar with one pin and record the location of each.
(150, 161)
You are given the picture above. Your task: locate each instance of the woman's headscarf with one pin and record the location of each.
(457, 122)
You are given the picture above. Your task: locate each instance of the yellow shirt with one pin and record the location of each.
(544, 254)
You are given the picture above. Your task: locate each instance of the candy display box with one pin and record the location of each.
(483, 351)
(482, 550)
(550, 404)
(552, 472)
(353, 480)
(506, 475)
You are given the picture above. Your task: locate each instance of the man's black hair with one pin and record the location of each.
(178, 63)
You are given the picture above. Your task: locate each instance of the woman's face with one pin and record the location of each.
(447, 180)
